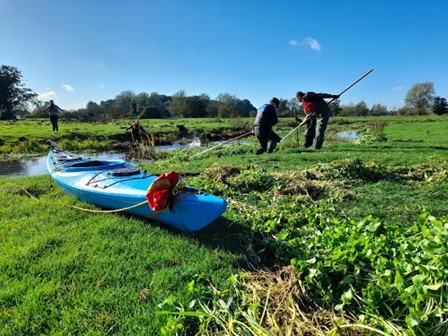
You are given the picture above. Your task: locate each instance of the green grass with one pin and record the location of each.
(73, 272)
(29, 135)
(364, 225)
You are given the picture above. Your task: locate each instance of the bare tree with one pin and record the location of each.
(420, 97)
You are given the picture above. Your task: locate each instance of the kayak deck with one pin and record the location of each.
(120, 185)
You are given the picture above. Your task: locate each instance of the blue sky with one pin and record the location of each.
(76, 51)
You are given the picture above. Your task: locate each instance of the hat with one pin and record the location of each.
(275, 101)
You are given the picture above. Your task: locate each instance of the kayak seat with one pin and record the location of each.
(66, 158)
(125, 172)
(93, 163)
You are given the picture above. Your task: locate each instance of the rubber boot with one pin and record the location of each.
(272, 146)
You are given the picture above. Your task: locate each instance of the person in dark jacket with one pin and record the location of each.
(53, 112)
(182, 131)
(317, 116)
(264, 121)
(135, 128)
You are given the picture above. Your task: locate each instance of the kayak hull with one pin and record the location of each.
(119, 185)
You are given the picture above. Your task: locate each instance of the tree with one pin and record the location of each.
(93, 111)
(151, 112)
(283, 108)
(177, 104)
(378, 109)
(245, 107)
(195, 107)
(351, 109)
(231, 106)
(142, 101)
(13, 95)
(125, 104)
(335, 107)
(420, 97)
(153, 105)
(361, 108)
(440, 106)
(213, 108)
(406, 111)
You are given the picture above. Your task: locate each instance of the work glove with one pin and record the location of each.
(335, 96)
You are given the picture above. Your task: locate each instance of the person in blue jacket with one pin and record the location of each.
(53, 112)
(264, 121)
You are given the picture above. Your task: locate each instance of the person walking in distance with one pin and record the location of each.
(135, 128)
(53, 113)
(317, 116)
(264, 121)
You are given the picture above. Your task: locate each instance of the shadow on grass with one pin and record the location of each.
(253, 250)
(259, 251)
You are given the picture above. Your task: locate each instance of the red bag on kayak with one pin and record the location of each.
(160, 192)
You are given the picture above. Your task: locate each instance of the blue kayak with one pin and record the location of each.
(121, 186)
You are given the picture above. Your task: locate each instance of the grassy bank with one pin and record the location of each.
(350, 239)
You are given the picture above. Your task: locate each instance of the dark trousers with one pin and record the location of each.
(54, 122)
(314, 130)
(265, 135)
(136, 136)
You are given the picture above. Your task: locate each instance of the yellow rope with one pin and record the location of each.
(155, 214)
(29, 194)
(90, 210)
(102, 211)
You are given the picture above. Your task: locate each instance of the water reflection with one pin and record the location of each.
(348, 135)
(19, 168)
(38, 165)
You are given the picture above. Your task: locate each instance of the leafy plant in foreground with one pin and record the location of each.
(390, 271)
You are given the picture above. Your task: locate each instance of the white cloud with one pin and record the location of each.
(397, 88)
(307, 41)
(312, 43)
(68, 88)
(46, 96)
(294, 43)
(102, 86)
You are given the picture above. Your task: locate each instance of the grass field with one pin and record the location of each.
(349, 240)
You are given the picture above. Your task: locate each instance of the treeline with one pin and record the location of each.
(17, 100)
(420, 100)
(127, 104)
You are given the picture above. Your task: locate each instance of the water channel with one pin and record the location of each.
(348, 135)
(38, 165)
